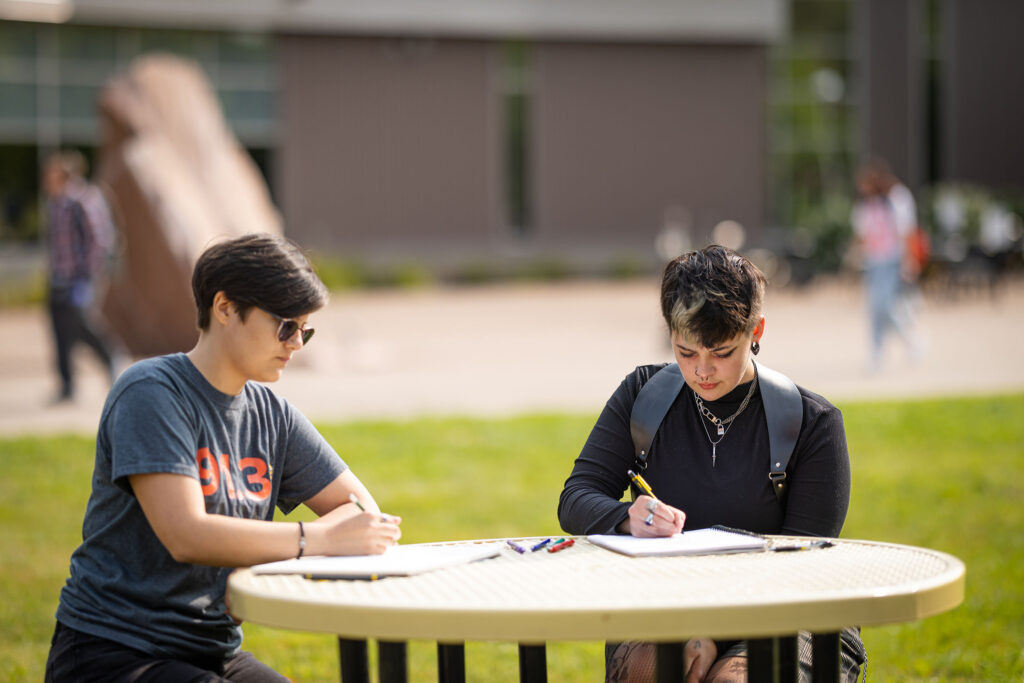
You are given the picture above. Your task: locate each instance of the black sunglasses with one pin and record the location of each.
(288, 327)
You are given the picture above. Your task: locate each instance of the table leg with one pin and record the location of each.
(355, 663)
(761, 660)
(787, 658)
(533, 664)
(391, 662)
(825, 658)
(451, 662)
(668, 662)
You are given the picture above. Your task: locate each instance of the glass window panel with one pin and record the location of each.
(17, 100)
(78, 101)
(820, 15)
(17, 40)
(247, 105)
(177, 42)
(76, 43)
(243, 48)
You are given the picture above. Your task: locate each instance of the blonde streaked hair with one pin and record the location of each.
(712, 295)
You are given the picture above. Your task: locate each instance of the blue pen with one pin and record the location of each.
(515, 546)
(540, 545)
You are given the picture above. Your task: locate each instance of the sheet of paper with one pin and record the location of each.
(399, 560)
(699, 542)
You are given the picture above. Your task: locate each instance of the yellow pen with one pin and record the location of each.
(646, 488)
(643, 485)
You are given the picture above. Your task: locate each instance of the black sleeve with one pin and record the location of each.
(590, 500)
(819, 479)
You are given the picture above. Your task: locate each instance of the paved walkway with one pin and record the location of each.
(499, 350)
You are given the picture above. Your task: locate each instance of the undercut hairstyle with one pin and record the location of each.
(257, 270)
(712, 295)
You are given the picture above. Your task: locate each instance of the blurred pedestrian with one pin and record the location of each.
(80, 237)
(884, 219)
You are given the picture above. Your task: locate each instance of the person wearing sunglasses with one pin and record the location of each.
(193, 454)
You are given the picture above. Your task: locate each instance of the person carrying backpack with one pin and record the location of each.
(733, 444)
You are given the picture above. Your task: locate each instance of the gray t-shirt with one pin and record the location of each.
(249, 452)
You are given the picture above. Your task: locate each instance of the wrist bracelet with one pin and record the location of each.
(302, 540)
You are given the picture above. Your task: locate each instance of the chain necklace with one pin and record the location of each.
(721, 426)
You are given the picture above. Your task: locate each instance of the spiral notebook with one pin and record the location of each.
(710, 541)
(399, 560)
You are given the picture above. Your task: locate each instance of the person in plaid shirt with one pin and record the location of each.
(80, 237)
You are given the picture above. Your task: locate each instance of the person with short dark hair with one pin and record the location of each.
(193, 454)
(709, 461)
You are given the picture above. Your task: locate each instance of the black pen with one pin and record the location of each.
(808, 546)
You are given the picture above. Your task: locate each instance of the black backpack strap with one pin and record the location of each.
(783, 410)
(649, 409)
(784, 413)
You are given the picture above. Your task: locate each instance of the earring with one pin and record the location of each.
(755, 347)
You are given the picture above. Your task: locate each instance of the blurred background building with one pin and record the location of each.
(591, 133)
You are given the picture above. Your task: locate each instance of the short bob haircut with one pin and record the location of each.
(257, 270)
(712, 295)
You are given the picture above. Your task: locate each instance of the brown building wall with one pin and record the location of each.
(893, 125)
(622, 133)
(394, 147)
(984, 93)
(386, 143)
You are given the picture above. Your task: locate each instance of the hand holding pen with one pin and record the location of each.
(340, 532)
(649, 516)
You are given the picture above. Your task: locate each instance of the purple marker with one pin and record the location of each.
(515, 546)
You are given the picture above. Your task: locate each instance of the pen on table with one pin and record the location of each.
(515, 546)
(540, 545)
(808, 546)
(331, 577)
(561, 546)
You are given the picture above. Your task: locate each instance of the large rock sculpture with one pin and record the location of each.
(177, 180)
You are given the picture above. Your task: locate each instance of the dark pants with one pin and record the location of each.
(71, 325)
(82, 658)
(634, 660)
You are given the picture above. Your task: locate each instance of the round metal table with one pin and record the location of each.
(588, 593)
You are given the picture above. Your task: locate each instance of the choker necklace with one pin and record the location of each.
(722, 426)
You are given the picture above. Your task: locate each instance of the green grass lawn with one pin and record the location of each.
(945, 474)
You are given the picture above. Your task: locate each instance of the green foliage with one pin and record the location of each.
(946, 475)
(341, 274)
(941, 474)
(549, 269)
(30, 291)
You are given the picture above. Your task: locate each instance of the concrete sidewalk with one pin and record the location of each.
(499, 350)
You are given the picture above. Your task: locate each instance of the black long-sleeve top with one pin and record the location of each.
(736, 491)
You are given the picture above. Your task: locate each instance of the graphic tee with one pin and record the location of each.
(249, 452)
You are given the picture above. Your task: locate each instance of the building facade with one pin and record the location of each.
(583, 129)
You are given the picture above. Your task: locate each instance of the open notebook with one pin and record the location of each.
(700, 542)
(399, 560)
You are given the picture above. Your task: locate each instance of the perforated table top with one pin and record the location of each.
(588, 593)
